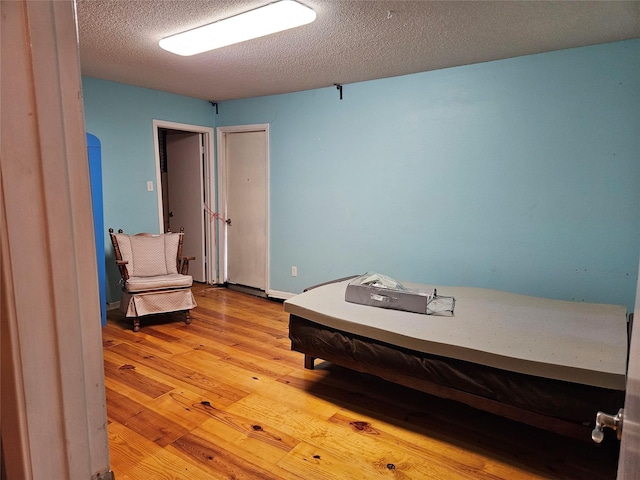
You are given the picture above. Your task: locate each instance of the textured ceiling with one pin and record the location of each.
(350, 41)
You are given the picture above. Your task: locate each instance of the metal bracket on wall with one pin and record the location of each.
(339, 87)
(215, 105)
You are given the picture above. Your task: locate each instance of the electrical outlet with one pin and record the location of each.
(294, 271)
(149, 186)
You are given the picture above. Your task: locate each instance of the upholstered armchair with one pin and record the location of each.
(154, 274)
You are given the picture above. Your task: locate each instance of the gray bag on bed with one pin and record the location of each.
(377, 290)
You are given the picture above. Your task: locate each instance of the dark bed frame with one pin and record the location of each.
(559, 406)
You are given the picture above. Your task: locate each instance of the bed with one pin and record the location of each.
(549, 363)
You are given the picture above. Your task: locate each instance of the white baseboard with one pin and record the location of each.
(280, 295)
(113, 306)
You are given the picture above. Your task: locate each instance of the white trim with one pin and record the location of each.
(280, 295)
(54, 422)
(221, 240)
(209, 184)
(222, 194)
(629, 460)
(113, 305)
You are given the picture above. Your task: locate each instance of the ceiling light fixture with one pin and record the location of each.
(262, 21)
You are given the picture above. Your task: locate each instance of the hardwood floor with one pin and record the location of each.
(226, 398)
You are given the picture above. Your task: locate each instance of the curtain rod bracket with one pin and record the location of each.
(339, 87)
(215, 105)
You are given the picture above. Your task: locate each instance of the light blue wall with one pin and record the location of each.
(520, 175)
(121, 116)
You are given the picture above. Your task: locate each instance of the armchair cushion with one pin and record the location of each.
(149, 255)
(159, 282)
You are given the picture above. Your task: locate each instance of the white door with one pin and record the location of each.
(185, 189)
(629, 463)
(246, 169)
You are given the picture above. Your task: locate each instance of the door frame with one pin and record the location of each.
(54, 422)
(629, 460)
(211, 262)
(221, 138)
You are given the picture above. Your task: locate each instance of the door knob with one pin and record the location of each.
(228, 221)
(609, 421)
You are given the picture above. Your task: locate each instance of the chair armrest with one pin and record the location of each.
(184, 265)
(122, 266)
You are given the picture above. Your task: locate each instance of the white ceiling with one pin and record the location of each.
(350, 41)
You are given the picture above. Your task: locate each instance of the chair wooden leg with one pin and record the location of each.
(136, 324)
(187, 317)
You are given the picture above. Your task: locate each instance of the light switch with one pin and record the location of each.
(149, 186)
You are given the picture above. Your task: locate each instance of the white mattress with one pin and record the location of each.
(573, 341)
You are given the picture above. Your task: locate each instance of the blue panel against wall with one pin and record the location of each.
(95, 171)
(519, 175)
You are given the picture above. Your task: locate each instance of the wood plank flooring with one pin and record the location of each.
(226, 398)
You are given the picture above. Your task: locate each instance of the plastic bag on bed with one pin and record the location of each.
(381, 281)
(441, 305)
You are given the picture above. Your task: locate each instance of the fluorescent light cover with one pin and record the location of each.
(262, 21)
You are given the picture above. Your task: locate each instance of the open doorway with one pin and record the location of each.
(184, 186)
